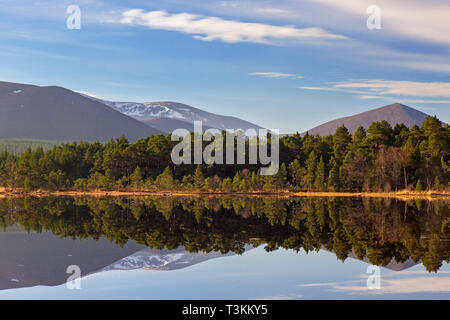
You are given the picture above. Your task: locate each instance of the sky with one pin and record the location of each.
(255, 275)
(282, 64)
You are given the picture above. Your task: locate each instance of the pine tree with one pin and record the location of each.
(308, 178)
(296, 172)
(108, 180)
(280, 178)
(419, 185)
(236, 182)
(437, 184)
(333, 177)
(199, 179)
(319, 182)
(165, 180)
(341, 140)
(136, 179)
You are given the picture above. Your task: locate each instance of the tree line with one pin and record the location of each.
(380, 158)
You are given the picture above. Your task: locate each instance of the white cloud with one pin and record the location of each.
(371, 97)
(398, 91)
(431, 65)
(280, 297)
(403, 282)
(231, 31)
(426, 20)
(424, 101)
(277, 75)
(318, 88)
(232, 4)
(411, 285)
(271, 11)
(402, 88)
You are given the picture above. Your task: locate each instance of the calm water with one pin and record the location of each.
(224, 248)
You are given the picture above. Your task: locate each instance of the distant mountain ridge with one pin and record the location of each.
(150, 259)
(167, 116)
(394, 114)
(56, 113)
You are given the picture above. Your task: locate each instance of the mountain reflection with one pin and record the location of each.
(378, 231)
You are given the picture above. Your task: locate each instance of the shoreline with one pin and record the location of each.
(402, 195)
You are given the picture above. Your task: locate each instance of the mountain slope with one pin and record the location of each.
(155, 113)
(168, 125)
(55, 113)
(150, 259)
(30, 258)
(393, 113)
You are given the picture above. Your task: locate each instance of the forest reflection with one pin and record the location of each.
(376, 229)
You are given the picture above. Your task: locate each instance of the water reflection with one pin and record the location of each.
(42, 236)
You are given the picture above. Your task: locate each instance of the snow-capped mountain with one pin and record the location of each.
(156, 115)
(149, 259)
(143, 111)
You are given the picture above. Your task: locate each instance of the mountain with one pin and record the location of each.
(56, 113)
(392, 265)
(150, 259)
(31, 259)
(393, 113)
(168, 115)
(168, 125)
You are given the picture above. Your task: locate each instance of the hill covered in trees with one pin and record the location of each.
(380, 158)
(396, 113)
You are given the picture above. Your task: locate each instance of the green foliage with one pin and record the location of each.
(419, 186)
(381, 159)
(137, 182)
(376, 230)
(437, 184)
(319, 182)
(19, 146)
(165, 180)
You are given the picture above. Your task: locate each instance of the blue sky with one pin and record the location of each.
(282, 64)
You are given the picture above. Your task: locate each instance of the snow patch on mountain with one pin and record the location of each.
(149, 259)
(142, 111)
(172, 110)
(145, 259)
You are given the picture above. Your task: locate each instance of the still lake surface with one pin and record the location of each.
(224, 248)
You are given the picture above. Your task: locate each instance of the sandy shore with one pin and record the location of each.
(402, 195)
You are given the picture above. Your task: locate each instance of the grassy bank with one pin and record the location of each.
(403, 194)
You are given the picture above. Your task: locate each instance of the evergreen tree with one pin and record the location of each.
(437, 184)
(334, 183)
(319, 182)
(419, 186)
(165, 180)
(296, 172)
(137, 181)
(341, 140)
(308, 178)
(199, 179)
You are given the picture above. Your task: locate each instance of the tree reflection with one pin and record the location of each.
(377, 229)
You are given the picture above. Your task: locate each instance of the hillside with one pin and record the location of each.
(167, 115)
(19, 146)
(56, 113)
(168, 125)
(393, 113)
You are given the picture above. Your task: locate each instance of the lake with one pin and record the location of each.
(224, 248)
